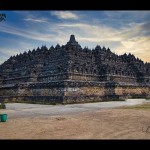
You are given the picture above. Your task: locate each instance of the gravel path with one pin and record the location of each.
(15, 110)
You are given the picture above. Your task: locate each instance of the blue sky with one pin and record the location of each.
(121, 31)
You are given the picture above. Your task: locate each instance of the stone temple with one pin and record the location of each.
(72, 74)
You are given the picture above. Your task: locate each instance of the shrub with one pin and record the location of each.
(2, 106)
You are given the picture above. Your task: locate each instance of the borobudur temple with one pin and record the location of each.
(72, 74)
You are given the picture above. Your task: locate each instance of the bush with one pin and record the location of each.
(3, 106)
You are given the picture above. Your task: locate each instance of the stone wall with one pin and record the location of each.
(133, 91)
(72, 92)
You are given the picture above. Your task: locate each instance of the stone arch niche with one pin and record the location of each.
(128, 73)
(116, 72)
(34, 72)
(59, 69)
(77, 69)
(94, 71)
(44, 64)
(82, 70)
(34, 75)
(86, 70)
(75, 54)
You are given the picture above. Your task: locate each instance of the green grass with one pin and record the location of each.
(139, 107)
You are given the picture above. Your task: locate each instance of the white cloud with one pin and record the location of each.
(93, 33)
(36, 20)
(65, 15)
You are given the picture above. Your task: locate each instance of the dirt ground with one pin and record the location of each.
(111, 123)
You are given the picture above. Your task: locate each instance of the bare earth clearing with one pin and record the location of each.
(78, 121)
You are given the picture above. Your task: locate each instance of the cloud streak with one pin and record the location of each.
(36, 20)
(65, 15)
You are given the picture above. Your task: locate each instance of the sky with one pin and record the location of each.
(121, 31)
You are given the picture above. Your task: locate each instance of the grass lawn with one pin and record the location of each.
(145, 106)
